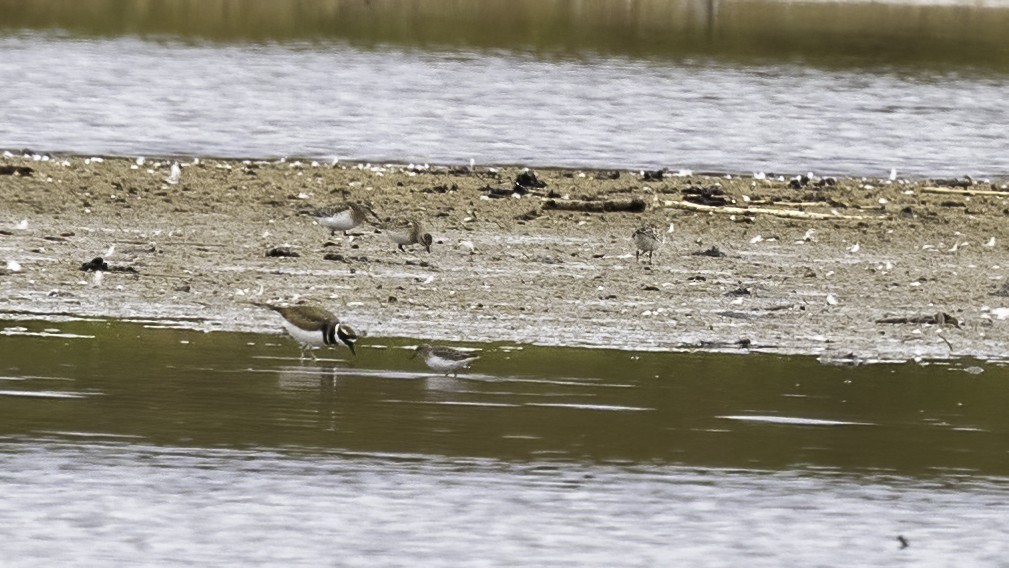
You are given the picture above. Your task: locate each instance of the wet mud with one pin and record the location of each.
(849, 270)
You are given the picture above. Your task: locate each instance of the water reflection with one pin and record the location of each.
(915, 33)
(179, 388)
(126, 503)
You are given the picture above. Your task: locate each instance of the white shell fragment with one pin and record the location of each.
(176, 173)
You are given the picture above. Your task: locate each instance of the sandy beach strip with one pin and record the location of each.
(849, 270)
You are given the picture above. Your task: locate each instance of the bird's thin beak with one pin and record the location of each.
(350, 345)
(414, 356)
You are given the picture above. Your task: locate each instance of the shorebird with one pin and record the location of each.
(647, 239)
(445, 359)
(343, 217)
(313, 327)
(407, 232)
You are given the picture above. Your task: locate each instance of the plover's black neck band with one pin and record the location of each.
(329, 332)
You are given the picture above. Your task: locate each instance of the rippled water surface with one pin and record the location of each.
(124, 442)
(687, 84)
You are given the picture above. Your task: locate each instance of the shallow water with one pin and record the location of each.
(125, 441)
(727, 86)
(91, 504)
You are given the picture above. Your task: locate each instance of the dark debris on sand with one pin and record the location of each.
(713, 252)
(9, 170)
(282, 252)
(98, 264)
(527, 180)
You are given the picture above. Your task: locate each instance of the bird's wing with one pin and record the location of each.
(309, 317)
(330, 211)
(452, 354)
(267, 306)
(397, 225)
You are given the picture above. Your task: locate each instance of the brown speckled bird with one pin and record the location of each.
(647, 239)
(407, 232)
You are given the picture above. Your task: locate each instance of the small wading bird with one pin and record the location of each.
(444, 359)
(343, 217)
(647, 239)
(313, 327)
(407, 232)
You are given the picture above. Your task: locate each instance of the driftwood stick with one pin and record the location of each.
(757, 202)
(789, 213)
(957, 191)
(941, 318)
(608, 206)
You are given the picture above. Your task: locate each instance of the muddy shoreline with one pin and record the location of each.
(850, 270)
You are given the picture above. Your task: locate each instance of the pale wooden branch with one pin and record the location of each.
(787, 213)
(958, 191)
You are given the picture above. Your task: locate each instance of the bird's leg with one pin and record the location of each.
(401, 248)
(650, 253)
(637, 256)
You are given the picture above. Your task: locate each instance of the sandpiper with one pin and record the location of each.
(313, 327)
(647, 239)
(407, 232)
(343, 217)
(445, 359)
